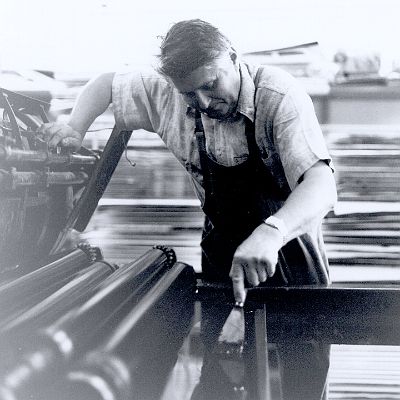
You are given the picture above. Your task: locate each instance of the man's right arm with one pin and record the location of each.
(93, 101)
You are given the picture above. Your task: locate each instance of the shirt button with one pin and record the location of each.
(264, 154)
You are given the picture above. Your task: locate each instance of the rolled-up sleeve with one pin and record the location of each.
(298, 136)
(131, 104)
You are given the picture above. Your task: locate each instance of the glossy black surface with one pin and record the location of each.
(297, 339)
(294, 344)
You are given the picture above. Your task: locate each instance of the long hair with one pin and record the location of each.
(188, 45)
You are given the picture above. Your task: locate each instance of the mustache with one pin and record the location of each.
(210, 107)
(208, 110)
(213, 114)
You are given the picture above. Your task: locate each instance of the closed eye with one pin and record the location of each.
(209, 85)
(188, 94)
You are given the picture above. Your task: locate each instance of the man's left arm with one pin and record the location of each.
(310, 201)
(257, 256)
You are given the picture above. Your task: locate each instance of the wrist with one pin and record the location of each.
(279, 225)
(77, 129)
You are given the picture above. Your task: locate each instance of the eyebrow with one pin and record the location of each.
(209, 83)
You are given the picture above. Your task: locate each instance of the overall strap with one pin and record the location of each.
(251, 139)
(250, 126)
(201, 144)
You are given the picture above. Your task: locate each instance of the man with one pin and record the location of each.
(249, 138)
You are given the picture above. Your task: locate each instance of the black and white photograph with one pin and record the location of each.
(199, 200)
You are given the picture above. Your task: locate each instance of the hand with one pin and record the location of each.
(255, 259)
(56, 134)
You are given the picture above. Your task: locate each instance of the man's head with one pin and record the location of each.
(199, 60)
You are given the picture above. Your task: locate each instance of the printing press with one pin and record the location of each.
(76, 326)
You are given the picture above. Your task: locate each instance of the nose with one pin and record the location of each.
(202, 100)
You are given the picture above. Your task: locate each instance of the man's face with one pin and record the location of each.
(213, 88)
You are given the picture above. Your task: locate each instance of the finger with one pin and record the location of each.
(269, 266)
(270, 270)
(48, 130)
(42, 128)
(237, 276)
(251, 273)
(71, 142)
(56, 138)
(262, 273)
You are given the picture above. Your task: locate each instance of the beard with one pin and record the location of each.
(220, 113)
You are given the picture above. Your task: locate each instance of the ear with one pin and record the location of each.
(233, 55)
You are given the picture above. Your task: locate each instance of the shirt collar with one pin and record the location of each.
(247, 91)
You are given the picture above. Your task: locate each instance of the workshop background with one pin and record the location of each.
(347, 55)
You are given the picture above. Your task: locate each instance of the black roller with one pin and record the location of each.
(20, 294)
(83, 327)
(134, 361)
(58, 303)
